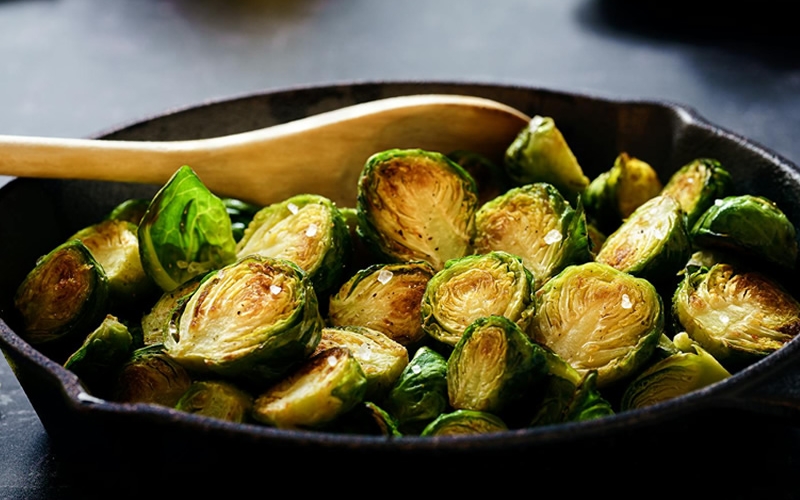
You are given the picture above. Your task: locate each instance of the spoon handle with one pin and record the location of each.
(323, 153)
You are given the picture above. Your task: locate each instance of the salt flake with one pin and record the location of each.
(311, 231)
(626, 301)
(293, 208)
(331, 360)
(275, 289)
(553, 236)
(416, 369)
(384, 276)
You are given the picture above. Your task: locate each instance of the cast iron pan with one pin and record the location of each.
(167, 445)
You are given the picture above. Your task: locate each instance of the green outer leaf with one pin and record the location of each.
(185, 232)
(464, 422)
(750, 224)
(420, 394)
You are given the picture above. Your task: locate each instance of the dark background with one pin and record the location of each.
(73, 68)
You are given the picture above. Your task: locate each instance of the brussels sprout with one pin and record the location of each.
(384, 297)
(63, 298)
(568, 396)
(674, 376)
(381, 358)
(416, 205)
(102, 354)
(326, 386)
(737, 316)
(241, 214)
(652, 243)
(155, 323)
(420, 394)
(472, 287)
(751, 225)
(493, 366)
(253, 320)
(614, 195)
(464, 422)
(490, 179)
(151, 376)
(368, 419)
(537, 224)
(306, 229)
(186, 232)
(131, 210)
(115, 245)
(598, 318)
(216, 399)
(540, 154)
(696, 185)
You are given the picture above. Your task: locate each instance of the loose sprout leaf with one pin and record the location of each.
(186, 232)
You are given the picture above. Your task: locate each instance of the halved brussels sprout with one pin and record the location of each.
(652, 243)
(63, 298)
(186, 232)
(737, 316)
(416, 205)
(381, 358)
(476, 286)
(490, 179)
(326, 386)
(115, 245)
(306, 229)
(614, 195)
(674, 376)
(384, 297)
(254, 319)
(696, 185)
(598, 318)
(464, 422)
(541, 154)
(155, 323)
(216, 399)
(420, 394)
(752, 225)
(102, 354)
(493, 366)
(151, 376)
(536, 223)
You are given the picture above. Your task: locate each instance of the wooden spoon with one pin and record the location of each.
(321, 154)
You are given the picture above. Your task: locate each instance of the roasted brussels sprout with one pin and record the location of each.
(750, 225)
(384, 297)
(216, 399)
(464, 422)
(476, 286)
(115, 245)
(252, 320)
(491, 180)
(151, 376)
(737, 316)
(696, 185)
(63, 298)
(155, 323)
(598, 318)
(568, 396)
(493, 366)
(537, 224)
(420, 394)
(306, 229)
(416, 205)
(614, 195)
(541, 154)
(381, 358)
(101, 356)
(185, 232)
(326, 386)
(674, 376)
(652, 243)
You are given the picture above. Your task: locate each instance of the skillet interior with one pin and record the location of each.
(37, 214)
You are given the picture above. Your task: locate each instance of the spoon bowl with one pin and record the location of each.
(323, 154)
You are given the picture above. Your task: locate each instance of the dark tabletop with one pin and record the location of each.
(73, 68)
